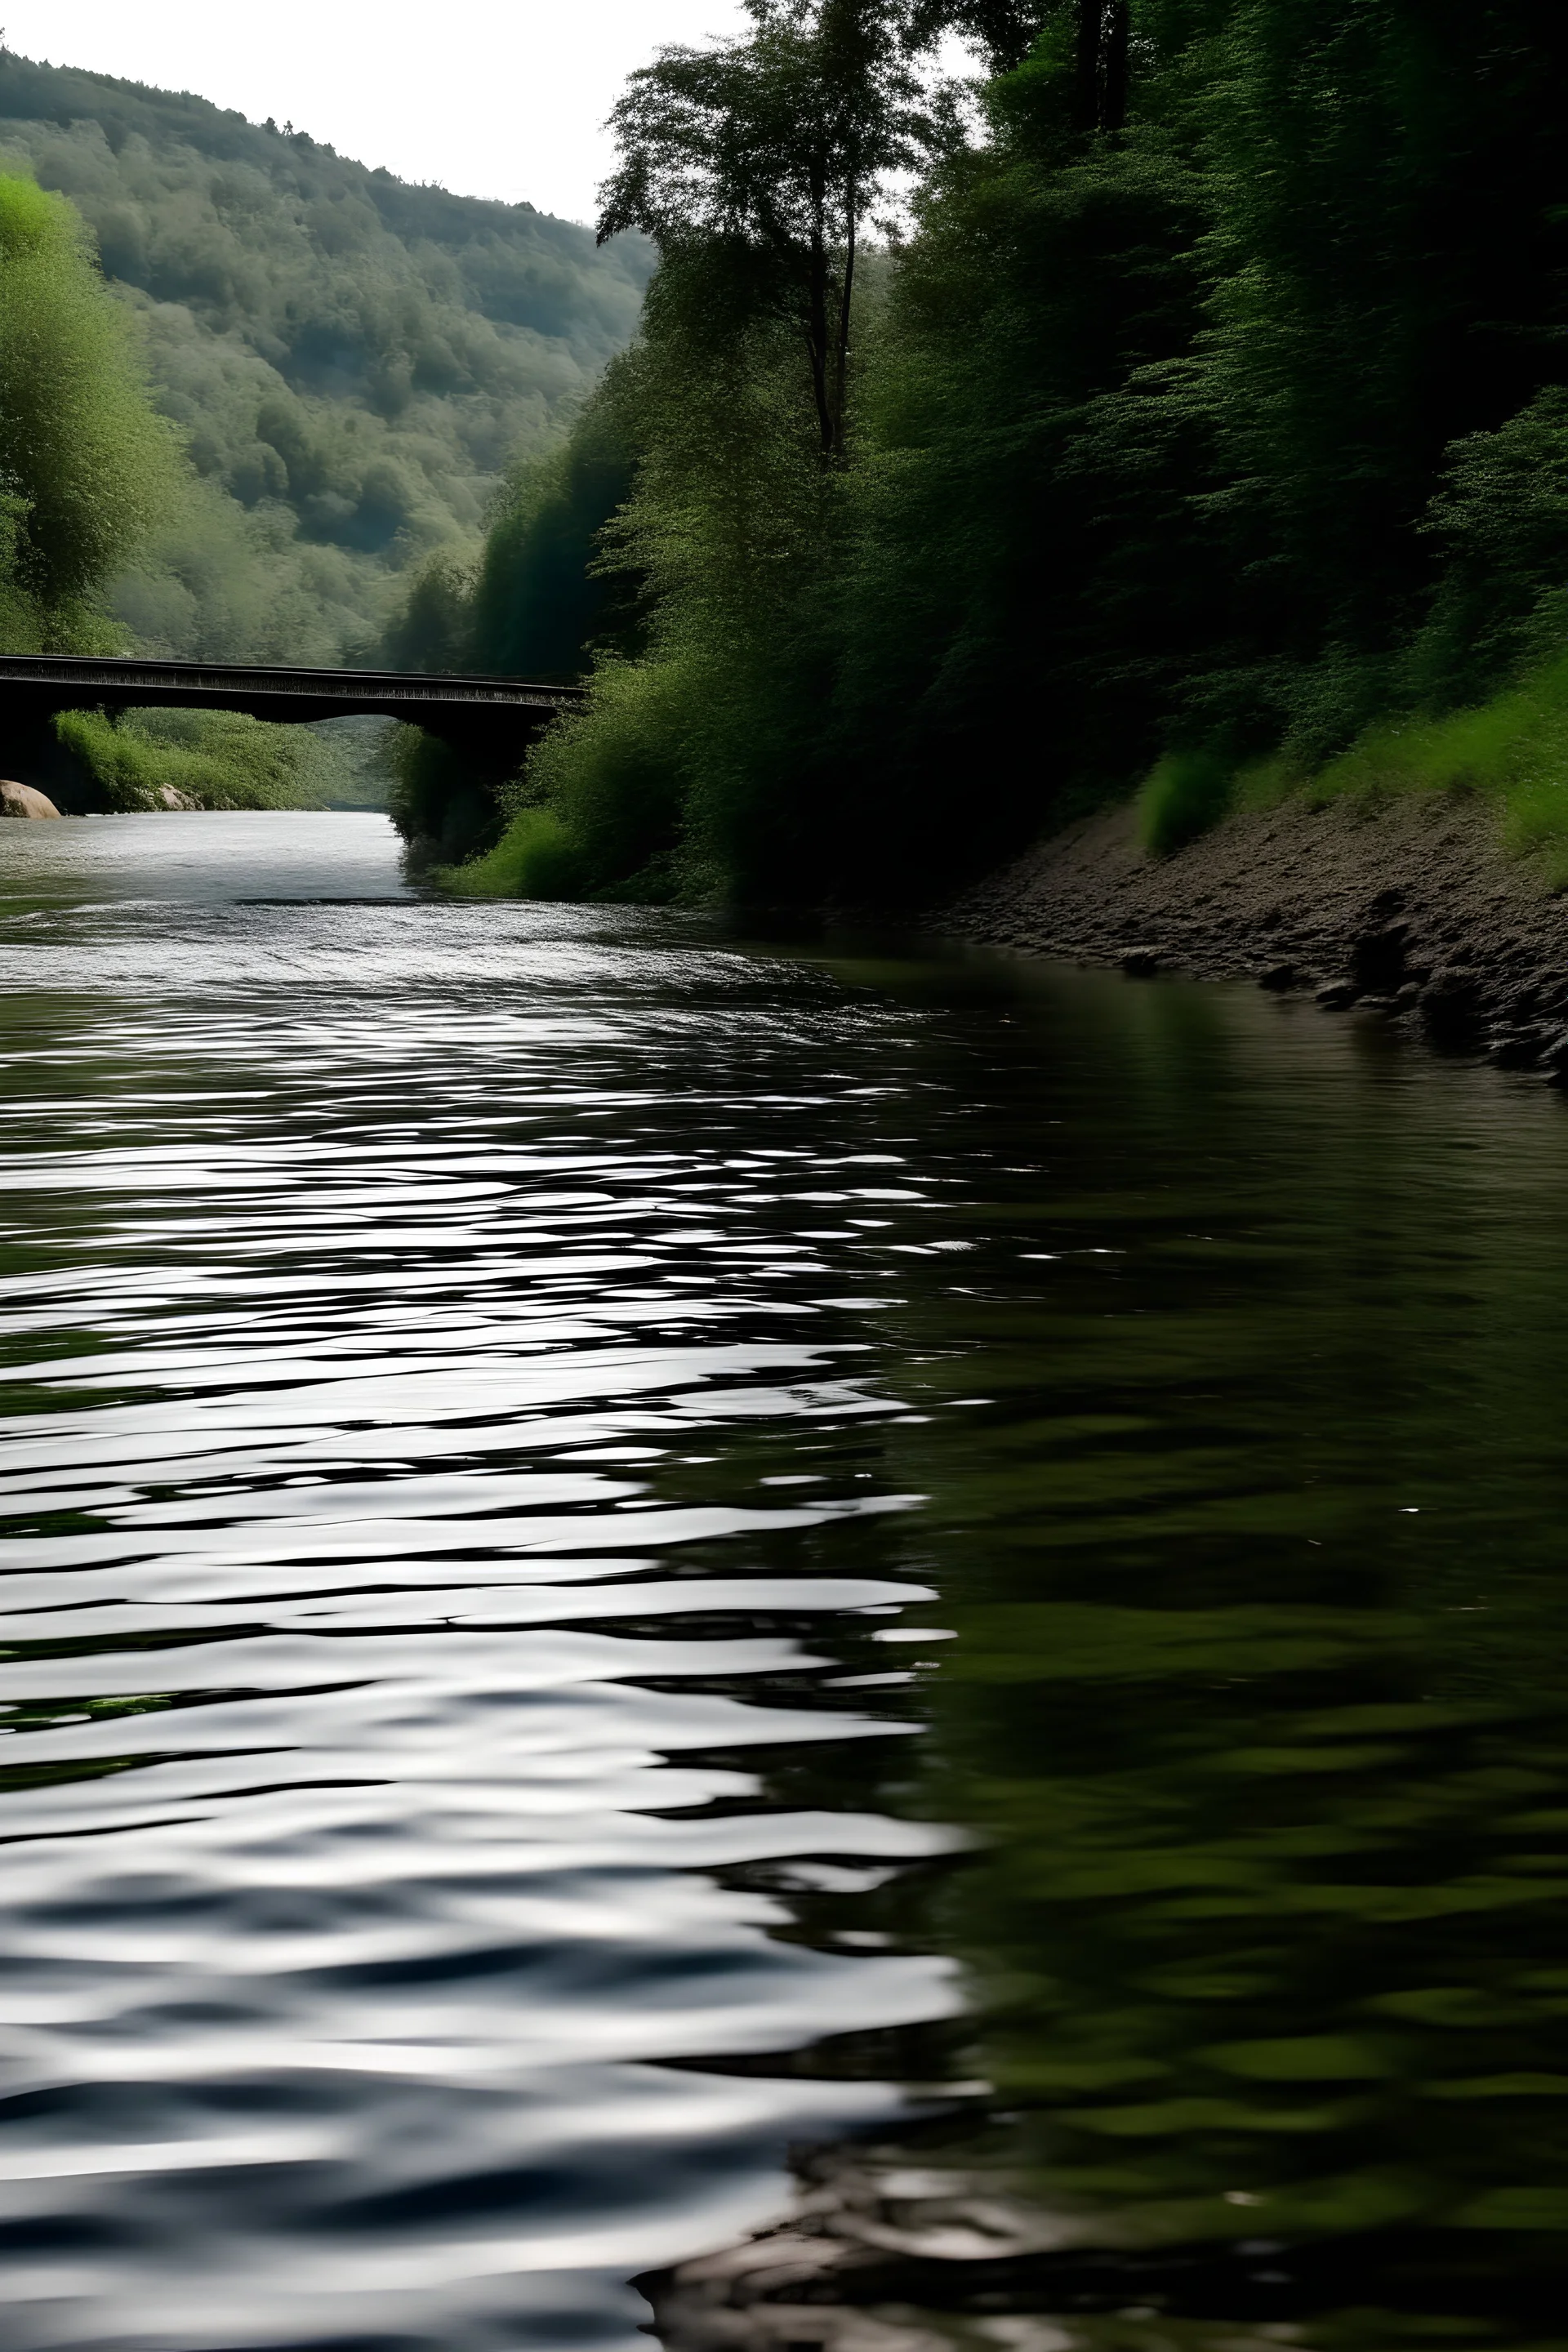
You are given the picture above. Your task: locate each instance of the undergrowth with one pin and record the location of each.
(150, 760)
(1511, 751)
(536, 858)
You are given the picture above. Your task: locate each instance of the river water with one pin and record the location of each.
(629, 1550)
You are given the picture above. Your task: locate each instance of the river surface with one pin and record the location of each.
(629, 1550)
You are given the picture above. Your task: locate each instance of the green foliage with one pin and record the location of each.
(1187, 793)
(88, 467)
(19, 619)
(678, 776)
(1219, 406)
(437, 802)
(1500, 517)
(353, 361)
(539, 602)
(618, 777)
(433, 631)
(537, 858)
(1512, 749)
(203, 759)
(764, 157)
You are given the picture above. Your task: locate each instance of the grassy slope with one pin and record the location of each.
(1513, 750)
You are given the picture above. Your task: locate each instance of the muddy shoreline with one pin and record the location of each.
(1410, 910)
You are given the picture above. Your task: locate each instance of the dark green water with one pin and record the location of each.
(1254, 1557)
(631, 1549)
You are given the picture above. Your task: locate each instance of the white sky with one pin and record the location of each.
(491, 97)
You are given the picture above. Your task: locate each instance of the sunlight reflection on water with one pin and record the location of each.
(378, 1824)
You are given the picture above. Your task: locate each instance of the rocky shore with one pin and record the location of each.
(878, 2256)
(883, 2253)
(24, 801)
(1410, 910)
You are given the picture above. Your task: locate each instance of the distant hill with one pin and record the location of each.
(355, 359)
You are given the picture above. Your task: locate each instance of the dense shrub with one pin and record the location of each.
(203, 759)
(1187, 793)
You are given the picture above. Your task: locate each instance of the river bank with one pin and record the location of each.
(1407, 908)
(881, 2256)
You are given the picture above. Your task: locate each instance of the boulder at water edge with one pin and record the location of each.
(22, 800)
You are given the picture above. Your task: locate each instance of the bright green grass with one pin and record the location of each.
(1512, 752)
(211, 759)
(1187, 793)
(536, 858)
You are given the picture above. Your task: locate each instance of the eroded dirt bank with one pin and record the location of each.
(1412, 909)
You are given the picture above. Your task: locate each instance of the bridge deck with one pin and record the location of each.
(35, 684)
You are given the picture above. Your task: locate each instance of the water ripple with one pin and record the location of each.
(416, 1654)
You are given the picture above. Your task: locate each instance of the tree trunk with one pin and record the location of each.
(841, 389)
(816, 344)
(1099, 92)
(1091, 42)
(1113, 81)
(816, 334)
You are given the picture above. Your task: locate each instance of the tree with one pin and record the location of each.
(770, 152)
(86, 466)
(1006, 30)
(1104, 31)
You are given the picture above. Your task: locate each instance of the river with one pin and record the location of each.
(629, 1550)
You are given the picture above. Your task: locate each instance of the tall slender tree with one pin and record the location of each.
(771, 153)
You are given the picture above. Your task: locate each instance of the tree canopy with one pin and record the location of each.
(766, 155)
(1210, 405)
(87, 467)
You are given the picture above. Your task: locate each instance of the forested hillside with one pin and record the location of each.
(1213, 414)
(353, 361)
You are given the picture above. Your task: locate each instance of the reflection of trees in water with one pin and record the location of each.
(1269, 1936)
(1256, 1695)
(1258, 1691)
